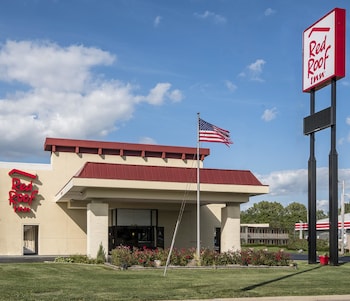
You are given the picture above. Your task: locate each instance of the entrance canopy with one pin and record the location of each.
(106, 181)
(130, 172)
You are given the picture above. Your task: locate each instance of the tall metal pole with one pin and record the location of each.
(342, 212)
(312, 190)
(333, 184)
(198, 194)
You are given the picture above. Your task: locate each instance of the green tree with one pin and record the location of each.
(294, 213)
(265, 212)
(346, 208)
(275, 214)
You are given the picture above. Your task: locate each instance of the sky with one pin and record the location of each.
(139, 71)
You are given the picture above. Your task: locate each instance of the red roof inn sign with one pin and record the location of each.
(324, 51)
(22, 194)
(323, 64)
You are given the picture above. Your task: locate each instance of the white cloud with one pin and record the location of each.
(47, 65)
(62, 97)
(269, 114)
(322, 205)
(216, 18)
(156, 21)
(269, 12)
(147, 140)
(285, 183)
(160, 92)
(175, 95)
(230, 85)
(288, 186)
(253, 71)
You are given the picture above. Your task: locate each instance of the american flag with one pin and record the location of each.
(211, 133)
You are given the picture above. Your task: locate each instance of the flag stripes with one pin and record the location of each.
(212, 133)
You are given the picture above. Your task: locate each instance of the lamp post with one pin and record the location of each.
(342, 212)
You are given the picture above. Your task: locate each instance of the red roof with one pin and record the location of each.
(166, 174)
(123, 149)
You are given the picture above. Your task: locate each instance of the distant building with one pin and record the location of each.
(322, 230)
(263, 234)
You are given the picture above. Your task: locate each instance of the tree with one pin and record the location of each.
(346, 208)
(264, 212)
(275, 214)
(295, 212)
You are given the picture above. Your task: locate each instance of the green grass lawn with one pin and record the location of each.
(60, 281)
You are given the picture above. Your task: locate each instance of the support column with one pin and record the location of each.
(230, 228)
(312, 236)
(97, 228)
(333, 186)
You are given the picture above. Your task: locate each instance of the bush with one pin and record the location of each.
(322, 245)
(297, 244)
(75, 259)
(101, 255)
(122, 256)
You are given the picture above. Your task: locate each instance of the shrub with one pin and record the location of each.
(297, 244)
(101, 255)
(63, 259)
(322, 245)
(122, 256)
(125, 256)
(75, 259)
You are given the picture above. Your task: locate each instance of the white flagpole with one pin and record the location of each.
(198, 195)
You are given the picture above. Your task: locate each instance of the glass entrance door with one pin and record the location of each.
(136, 236)
(135, 228)
(30, 239)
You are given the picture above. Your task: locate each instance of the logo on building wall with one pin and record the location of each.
(22, 193)
(324, 51)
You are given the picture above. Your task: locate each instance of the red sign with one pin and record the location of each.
(22, 194)
(324, 51)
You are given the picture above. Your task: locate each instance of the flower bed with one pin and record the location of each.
(124, 256)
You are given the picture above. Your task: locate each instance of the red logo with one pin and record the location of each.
(318, 56)
(22, 194)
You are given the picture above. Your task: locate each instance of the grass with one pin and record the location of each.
(62, 281)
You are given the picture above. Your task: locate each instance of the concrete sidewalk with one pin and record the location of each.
(288, 298)
(26, 258)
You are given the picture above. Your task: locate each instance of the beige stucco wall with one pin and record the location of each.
(60, 231)
(63, 231)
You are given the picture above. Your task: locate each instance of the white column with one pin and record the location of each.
(97, 228)
(230, 228)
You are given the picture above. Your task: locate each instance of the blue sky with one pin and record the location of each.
(139, 71)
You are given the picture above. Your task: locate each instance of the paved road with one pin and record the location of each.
(303, 256)
(26, 258)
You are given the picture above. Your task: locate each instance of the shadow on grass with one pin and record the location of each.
(251, 287)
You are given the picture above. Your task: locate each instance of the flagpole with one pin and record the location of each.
(198, 194)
